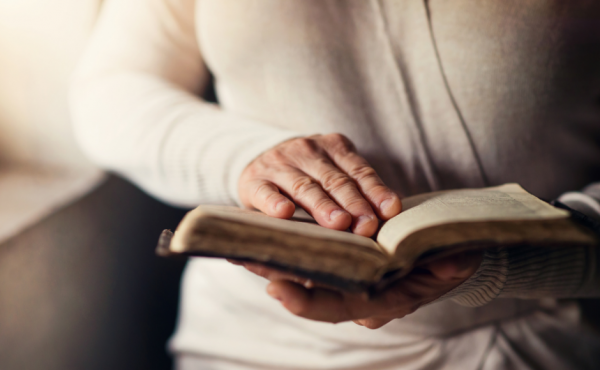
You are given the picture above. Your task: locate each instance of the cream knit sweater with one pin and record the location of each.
(435, 94)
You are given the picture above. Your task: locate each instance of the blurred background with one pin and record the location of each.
(80, 286)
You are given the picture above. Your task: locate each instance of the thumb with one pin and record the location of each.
(458, 266)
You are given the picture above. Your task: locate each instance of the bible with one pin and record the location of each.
(431, 225)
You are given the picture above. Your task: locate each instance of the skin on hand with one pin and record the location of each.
(420, 287)
(324, 175)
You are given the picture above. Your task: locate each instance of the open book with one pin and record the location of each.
(430, 226)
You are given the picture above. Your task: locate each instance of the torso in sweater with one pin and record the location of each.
(435, 94)
(439, 96)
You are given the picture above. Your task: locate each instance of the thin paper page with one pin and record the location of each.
(506, 202)
(262, 220)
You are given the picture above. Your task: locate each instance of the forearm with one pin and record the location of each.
(136, 112)
(175, 146)
(538, 272)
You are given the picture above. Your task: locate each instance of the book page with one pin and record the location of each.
(506, 202)
(302, 227)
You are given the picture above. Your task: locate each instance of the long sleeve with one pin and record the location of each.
(136, 111)
(538, 272)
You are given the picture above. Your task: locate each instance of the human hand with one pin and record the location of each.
(420, 287)
(324, 175)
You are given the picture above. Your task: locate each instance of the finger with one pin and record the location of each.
(235, 262)
(309, 194)
(423, 288)
(341, 188)
(265, 196)
(316, 304)
(456, 267)
(274, 275)
(372, 322)
(327, 305)
(310, 158)
(342, 152)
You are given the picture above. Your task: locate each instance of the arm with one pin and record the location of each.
(470, 280)
(538, 272)
(136, 112)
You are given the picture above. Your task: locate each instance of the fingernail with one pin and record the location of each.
(308, 284)
(271, 291)
(363, 220)
(335, 214)
(387, 205)
(281, 204)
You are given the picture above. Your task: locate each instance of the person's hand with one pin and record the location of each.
(420, 287)
(324, 175)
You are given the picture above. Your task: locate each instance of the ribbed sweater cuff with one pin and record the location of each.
(587, 201)
(525, 272)
(537, 272)
(486, 283)
(593, 191)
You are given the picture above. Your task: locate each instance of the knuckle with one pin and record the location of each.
(303, 185)
(363, 172)
(262, 188)
(304, 145)
(381, 189)
(274, 156)
(254, 171)
(254, 168)
(322, 203)
(357, 203)
(334, 180)
(340, 143)
(338, 137)
(272, 197)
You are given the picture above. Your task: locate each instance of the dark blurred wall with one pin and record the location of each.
(83, 289)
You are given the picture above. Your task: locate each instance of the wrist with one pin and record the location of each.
(486, 283)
